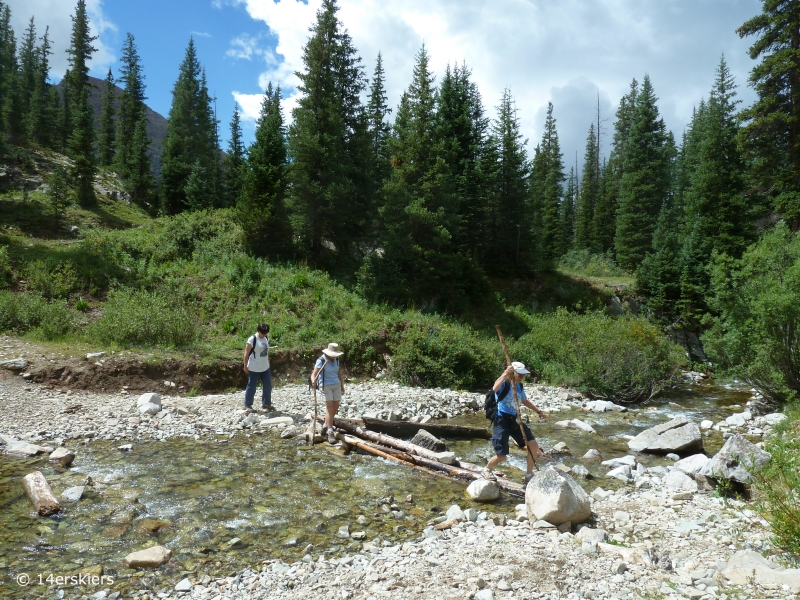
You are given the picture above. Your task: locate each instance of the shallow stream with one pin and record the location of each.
(277, 498)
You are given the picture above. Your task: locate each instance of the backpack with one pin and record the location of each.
(253, 345)
(490, 402)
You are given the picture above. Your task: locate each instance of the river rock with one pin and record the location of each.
(22, 448)
(773, 418)
(62, 456)
(592, 536)
(736, 420)
(561, 448)
(629, 461)
(581, 471)
(736, 458)
(678, 481)
(485, 594)
(344, 531)
(15, 364)
(600, 406)
(706, 424)
(41, 496)
(482, 490)
(677, 435)
(622, 472)
(557, 498)
(446, 458)
(149, 558)
(746, 567)
(278, 421)
(73, 494)
(455, 512)
(574, 424)
(184, 585)
(692, 465)
(593, 455)
(149, 403)
(428, 441)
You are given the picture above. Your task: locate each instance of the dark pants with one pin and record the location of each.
(505, 427)
(252, 383)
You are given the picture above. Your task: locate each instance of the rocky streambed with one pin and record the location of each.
(246, 510)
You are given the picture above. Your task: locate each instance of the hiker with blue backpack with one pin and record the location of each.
(325, 377)
(256, 365)
(505, 419)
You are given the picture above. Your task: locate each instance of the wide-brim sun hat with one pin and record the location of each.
(520, 368)
(332, 350)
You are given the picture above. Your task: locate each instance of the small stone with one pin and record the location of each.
(184, 586)
(73, 494)
(485, 594)
(62, 456)
(125, 447)
(148, 558)
(344, 531)
(593, 455)
(482, 490)
(447, 458)
(619, 568)
(233, 543)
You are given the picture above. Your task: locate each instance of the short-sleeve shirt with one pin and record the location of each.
(258, 361)
(506, 405)
(330, 374)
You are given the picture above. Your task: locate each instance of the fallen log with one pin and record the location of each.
(408, 429)
(39, 493)
(384, 440)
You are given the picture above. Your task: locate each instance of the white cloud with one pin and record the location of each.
(542, 50)
(57, 15)
(204, 34)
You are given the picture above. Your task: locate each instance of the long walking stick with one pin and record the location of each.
(513, 383)
(314, 385)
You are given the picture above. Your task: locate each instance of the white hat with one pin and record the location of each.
(332, 350)
(520, 368)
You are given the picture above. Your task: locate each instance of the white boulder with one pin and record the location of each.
(482, 490)
(556, 498)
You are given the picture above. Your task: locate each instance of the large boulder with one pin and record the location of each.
(428, 441)
(482, 490)
(747, 567)
(735, 461)
(147, 559)
(678, 481)
(677, 435)
(22, 448)
(149, 403)
(600, 406)
(692, 465)
(556, 498)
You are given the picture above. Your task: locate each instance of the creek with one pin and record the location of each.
(276, 497)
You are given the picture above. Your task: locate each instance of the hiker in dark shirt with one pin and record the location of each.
(505, 421)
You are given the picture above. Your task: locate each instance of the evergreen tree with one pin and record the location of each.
(261, 210)
(568, 211)
(509, 242)
(588, 197)
(140, 183)
(190, 142)
(378, 129)
(8, 74)
(547, 180)
(41, 121)
(107, 124)
(659, 275)
(645, 181)
(771, 132)
(604, 220)
(328, 142)
(235, 163)
(81, 136)
(26, 81)
(58, 192)
(132, 108)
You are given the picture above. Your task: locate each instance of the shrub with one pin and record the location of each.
(777, 484)
(5, 266)
(26, 312)
(82, 305)
(623, 359)
(590, 265)
(52, 279)
(436, 354)
(757, 297)
(141, 318)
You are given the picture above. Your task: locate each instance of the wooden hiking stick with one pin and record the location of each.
(513, 382)
(314, 385)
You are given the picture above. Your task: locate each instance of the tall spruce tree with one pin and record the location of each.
(235, 162)
(328, 143)
(26, 81)
(568, 212)
(588, 197)
(107, 122)
(132, 108)
(41, 120)
(81, 135)
(378, 128)
(771, 132)
(659, 276)
(8, 71)
(261, 210)
(190, 142)
(645, 182)
(140, 182)
(547, 180)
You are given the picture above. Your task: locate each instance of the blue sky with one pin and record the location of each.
(566, 52)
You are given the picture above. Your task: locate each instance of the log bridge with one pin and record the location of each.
(391, 448)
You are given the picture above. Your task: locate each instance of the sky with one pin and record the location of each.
(569, 52)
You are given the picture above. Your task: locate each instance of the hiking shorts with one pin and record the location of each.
(507, 427)
(332, 392)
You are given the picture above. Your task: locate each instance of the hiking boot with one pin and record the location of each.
(267, 407)
(488, 475)
(528, 477)
(332, 437)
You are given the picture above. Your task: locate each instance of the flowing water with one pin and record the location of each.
(277, 498)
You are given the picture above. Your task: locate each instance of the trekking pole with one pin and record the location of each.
(314, 385)
(512, 381)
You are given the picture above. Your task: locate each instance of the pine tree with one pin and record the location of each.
(568, 212)
(328, 143)
(132, 108)
(26, 81)
(771, 132)
(190, 140)
(645, 181)
(140, 183)
(107, 124)
(605, 210)
(588, 197)
(378, 129)
(547, 191)
(508, 234)
(235, 163)
(58, 192)
(41, 121)
(261, 210)
(659, 275)
(81, 136)
(9, 104)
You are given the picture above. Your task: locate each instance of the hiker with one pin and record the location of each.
(256, 365)
(505, 421)
(325, 377)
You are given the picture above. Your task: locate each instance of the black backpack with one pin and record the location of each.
(490, 402)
